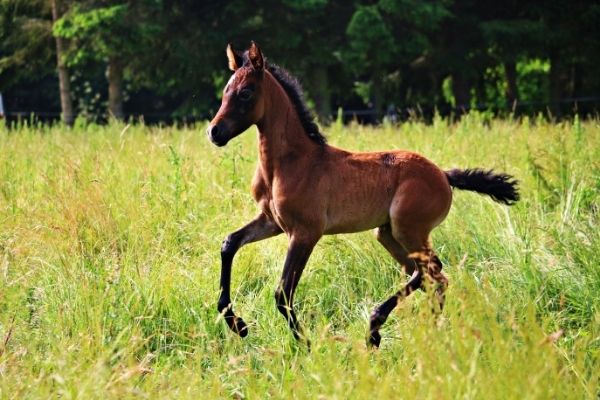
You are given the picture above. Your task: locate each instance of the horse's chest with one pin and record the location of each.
(263, 193)
(274, 210)
(284, 210)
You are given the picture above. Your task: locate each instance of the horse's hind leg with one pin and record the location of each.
(419, 261)
(438, 280)
(381, 313)
(396, 250)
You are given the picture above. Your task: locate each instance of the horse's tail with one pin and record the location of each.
(503, 188)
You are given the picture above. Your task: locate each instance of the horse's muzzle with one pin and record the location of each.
(217, 134)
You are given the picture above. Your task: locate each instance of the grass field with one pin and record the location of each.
(109, 265)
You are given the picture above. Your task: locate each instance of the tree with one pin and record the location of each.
(386, 36)
(511, 34)
(66, 100)
(107, 31)
(26, 51)
(572, 44)
(24, 38)
(372, 48)
(317, 55)
(167, 56)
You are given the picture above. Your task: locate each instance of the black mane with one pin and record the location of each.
(294, 91)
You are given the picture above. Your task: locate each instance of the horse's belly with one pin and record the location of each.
(359, 202)
(352, 228)
(359, 218)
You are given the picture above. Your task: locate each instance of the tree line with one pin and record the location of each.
(165, 58)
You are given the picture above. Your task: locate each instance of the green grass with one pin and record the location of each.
(109, 265)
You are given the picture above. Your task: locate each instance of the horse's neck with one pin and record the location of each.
(282, 139)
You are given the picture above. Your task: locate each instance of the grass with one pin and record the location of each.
(109, 264)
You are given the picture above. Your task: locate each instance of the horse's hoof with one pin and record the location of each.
(374, 339)
(240, 327)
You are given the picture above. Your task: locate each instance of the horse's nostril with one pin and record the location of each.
(213, 130)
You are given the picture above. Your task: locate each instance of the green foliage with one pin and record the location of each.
(99, 31)
(447, 91)
(413, 22)
(355, 54)
(109, 265)
(533, 87)
(369, 37)
(94, 31)
(419, 13)
(26, 48)
(306, 5)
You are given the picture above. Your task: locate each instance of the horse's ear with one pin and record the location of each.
(235, 60)
(255, 56)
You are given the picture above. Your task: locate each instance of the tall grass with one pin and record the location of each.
(109, 263)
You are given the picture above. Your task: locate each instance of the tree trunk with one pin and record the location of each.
(557, 78)
(377, 97)
(435, 89)
(512, 91)
(481, 99)
(461, 91)
(575, 80)
(321, 93)
(64, 83)
(115, 88)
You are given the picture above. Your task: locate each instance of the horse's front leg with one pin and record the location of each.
(262, 227)
(297, 256)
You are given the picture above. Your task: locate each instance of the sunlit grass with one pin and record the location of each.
(109, 265)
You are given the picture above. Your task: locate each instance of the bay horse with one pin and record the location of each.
(307, 188)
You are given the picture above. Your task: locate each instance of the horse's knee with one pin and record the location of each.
(229, 246)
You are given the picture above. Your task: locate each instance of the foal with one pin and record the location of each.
(307, 188)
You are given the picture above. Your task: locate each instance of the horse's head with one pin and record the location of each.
(242, 103)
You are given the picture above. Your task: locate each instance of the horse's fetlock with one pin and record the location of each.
(223, 305)
(374, 339)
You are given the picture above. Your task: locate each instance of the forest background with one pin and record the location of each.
(163, 60)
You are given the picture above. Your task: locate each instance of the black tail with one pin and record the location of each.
(500, 187)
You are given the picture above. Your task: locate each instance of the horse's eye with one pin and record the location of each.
(245, 94)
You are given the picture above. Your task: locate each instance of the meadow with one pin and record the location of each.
(109, 266)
